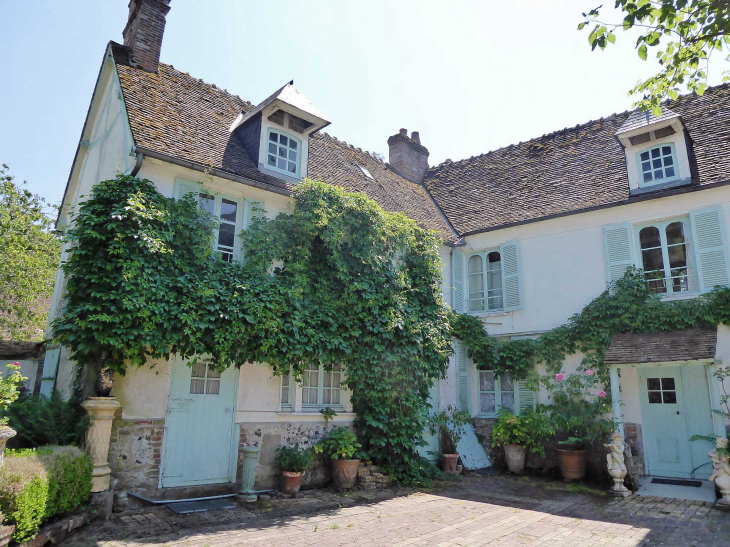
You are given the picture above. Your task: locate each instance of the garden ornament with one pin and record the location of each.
(616, 465)
(721, 470)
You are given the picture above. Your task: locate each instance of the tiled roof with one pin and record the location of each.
(571, 170)
(12, 349)
(639, 119)
(172, 113)
(662, 347)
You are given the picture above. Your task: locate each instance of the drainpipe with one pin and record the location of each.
(138, 164)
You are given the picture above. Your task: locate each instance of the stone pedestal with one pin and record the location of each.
(6, 434)
(101, 411)
(248, 476)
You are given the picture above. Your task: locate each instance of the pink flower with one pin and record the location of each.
(590, 372)
(601, 393)
(559, 377)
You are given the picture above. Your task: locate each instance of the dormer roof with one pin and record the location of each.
(640, 120)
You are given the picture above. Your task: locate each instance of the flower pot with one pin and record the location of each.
(104, 382)
(344, 473)
(572, 464)
(448, 463)
(291, 481)
(515, 456)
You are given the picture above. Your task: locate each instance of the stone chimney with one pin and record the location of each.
(144, 30)
(408, 156)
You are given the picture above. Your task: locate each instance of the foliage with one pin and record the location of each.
(340, 443)
(685, 33)
(449, 425)
(294, 459)
(578, 409)
(69, 479)
(9, 388)
(353, 285)
(721, 374)
(530, 429)
(327, 413)
(41, 421)
(28, 259)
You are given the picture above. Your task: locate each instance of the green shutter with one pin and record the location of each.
(710, 250)
(617, 245)
(525, 396)
(511, 274)
(184, 187)
(252, 209)
(462, 377)
(457, 273)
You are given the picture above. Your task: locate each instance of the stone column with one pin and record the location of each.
(616, 400)
(101, 411)
(248, 476)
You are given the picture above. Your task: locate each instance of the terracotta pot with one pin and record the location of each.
(344, 473)
(291, 481)
(572, 464)
(104, 382)
(448, 463)
(515, 456)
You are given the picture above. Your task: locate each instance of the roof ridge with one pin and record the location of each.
(347, 145)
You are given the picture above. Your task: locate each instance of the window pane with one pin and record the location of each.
(658, 174)
(487, 403)
(670, 397)
(667, 150)
(649, 237)
(668, 160)
(197, 386)
(657, 164)
(647, 176)
(226, 235)
(652, 383)
(272, 160)
(272, 148)
(207, 203)
(292, 167)
(507, 383)
(199, 370)
(669, 172)
(282, 151)
(675, 233)
(283, 140)
(292, 155)
(228, 210)
(336, 397)
(273, 136)
(327, 397)
(652, 260)
(655, 397)
(668, 383)
(486, 380)
(213, 373)
(644, 156)
(677, 256)
(282, 163)
(508, 401)
(476, 305)
(292, 144)
(475, 264)
(213, 387)
(655, 153)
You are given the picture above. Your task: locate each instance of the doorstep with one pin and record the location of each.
(705, 492)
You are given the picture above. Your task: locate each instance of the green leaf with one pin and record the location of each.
(642, 52)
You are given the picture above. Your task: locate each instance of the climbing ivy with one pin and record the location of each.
(337, 281)
(625, 306)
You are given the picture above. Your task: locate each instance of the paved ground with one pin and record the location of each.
(497, 511)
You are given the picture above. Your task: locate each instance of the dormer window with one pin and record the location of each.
(658, 164)
(284, 153)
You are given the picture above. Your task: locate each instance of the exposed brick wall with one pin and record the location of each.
(144, 31)
(408, 155)
(635, 439)
(135, 453)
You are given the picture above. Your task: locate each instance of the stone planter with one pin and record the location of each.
(291, 481)
(101, 411)
(344, 473)
(515, 456)
(572, 464)
(448, 463)
(248, 476)
(6, 433)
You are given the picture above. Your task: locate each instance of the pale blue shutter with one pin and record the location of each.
(708, 234)
(617, 245)
(457, 273)
(184, 187)
(525, 396)
(252, 209)
(462, 377)
(511, 274)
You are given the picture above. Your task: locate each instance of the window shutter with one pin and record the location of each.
(252, 209)
(511, 282)
(525, 397)
(709, 241)
(184, 187)
(619, 255)
(457, 272)
(462, 378)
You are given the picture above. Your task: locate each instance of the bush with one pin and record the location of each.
(36, 485)
(529, 429)
(295, 460)
(41, 421)
(341, 443)
(450, 425)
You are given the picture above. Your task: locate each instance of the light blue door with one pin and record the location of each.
(431, 450)
(199, 441)
(675, 404)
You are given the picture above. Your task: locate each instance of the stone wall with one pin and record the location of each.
(135, 452)
(635, 439)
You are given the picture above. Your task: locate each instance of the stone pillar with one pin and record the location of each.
(101, 411)
(248, 476)
(6, 433)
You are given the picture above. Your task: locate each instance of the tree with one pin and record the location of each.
(29, 256)
(685, 33)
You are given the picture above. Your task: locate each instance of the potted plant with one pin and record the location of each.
(578, 414)
(449, 426)
(293, 462)
(519, 434)
(342, 447)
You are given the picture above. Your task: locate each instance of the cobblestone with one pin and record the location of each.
(472, 511)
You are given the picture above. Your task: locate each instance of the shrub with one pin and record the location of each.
(450, 426)
(10, 388)
(341, 443)
(295, 460)
(69, 479)
(529, 429)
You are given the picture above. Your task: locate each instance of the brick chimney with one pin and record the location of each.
(408, 156)
(144, 30)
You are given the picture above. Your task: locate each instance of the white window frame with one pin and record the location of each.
(320, 389)
(299, 152)
(237, 225)
(485, 285)
(654, 181)
(497, 395)
(287, 386)
(692, 277)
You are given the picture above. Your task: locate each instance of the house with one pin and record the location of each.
(531, 234)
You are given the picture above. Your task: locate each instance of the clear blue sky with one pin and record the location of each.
(471, 76)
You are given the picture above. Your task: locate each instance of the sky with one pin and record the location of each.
(470, 76)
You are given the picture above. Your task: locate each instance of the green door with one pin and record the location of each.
(431, 449)
(198, 446)
(675, 404)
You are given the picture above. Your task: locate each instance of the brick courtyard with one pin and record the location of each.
(473, 511)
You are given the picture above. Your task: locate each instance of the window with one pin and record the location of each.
(322, 388)
(365, 171)
(204, 380)
(666, 257)
(657, 164)
(227, 211)
(283, 153)
(485, 282)
(662, 391)
(495, 392)
(286, 391)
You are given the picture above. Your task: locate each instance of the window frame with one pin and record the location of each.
(300, 151)
(497, 395)
(321, 388)
(485, 282)
(655, 182)
(661, 225)
(237, 225)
